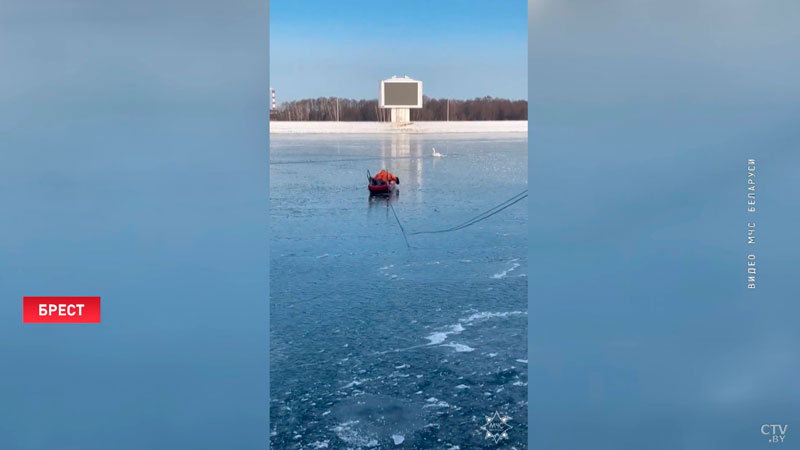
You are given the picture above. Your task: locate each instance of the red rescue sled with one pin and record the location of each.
(378, 186)
(386, 188)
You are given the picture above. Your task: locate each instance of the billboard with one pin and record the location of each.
(401, 93)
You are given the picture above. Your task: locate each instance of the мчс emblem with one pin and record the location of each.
(496, 427)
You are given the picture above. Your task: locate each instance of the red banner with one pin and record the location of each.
(61, 310)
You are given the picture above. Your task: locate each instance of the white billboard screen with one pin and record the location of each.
(401, 94)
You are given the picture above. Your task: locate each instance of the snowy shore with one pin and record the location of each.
(499, 126)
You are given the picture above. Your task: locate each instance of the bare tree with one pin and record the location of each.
(325, 109)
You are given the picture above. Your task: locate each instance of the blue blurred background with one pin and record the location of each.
(642, 117)
(133, 166)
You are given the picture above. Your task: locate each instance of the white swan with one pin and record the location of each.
(436, 154)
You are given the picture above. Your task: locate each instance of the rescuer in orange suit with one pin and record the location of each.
(384, 177)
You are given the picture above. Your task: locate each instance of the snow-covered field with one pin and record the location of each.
(499, 126)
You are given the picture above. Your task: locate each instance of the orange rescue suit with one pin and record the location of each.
(385, 176)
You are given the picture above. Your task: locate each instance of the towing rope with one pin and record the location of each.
(482, 216)
(401, 226)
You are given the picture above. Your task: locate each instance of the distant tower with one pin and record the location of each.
(274, 104)
(400, 95)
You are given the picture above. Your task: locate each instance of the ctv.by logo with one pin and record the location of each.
(776, 433)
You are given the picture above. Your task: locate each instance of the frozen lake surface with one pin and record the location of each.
(377, 345)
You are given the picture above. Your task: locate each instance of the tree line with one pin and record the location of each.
(350, 110)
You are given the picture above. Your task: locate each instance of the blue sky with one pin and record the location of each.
(459, 49)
